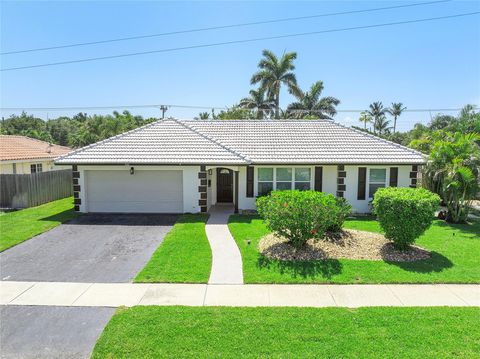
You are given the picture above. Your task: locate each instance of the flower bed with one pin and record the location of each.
(348, 243)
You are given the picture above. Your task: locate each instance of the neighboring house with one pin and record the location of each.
(173, 166)
(24, 155)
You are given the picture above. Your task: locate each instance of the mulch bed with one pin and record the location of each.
(348, 243)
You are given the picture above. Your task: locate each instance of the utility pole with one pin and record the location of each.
(164, 109)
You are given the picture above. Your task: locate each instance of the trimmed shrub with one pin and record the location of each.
(301, 215)
(404, 213)
(341, 212)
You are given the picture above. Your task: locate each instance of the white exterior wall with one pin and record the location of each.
(329, 183)
(23, 167)
(190, 183)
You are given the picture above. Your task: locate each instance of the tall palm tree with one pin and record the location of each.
(310, 104)
(396, 110)
(257, 101)
(365, 118)
(273, 73)
(377, 111)
(381, 125)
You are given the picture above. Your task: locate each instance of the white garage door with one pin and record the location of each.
(142, 192)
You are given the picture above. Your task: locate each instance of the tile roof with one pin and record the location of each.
(26, 148)
(173, 141)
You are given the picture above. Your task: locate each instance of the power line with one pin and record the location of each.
(219, 27)
(239, 41)
(203, 107)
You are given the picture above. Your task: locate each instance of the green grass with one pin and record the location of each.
(184, 255)
(455, 250)
(222, 332)
(18, 226)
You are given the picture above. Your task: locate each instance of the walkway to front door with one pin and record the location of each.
(226, 257)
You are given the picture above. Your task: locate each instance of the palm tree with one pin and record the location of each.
(204, 115)
(310, 104)
(257, 101)
(396, 110)
(273, 73)
(376, 111)
(365, 118)
(381, 125)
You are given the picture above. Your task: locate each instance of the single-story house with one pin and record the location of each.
(25, 155)
(181, 166)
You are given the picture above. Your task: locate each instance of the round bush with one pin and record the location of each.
(301, 215)
(404, 213)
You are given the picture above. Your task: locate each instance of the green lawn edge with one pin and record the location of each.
(266, 332)
(184, 256)
(18, 226)
(455, 249)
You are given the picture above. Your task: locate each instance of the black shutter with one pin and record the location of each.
(393, 176)
(362, 181)
(318, 178)
(249, 181)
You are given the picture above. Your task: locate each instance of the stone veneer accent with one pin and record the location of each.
(414, 176)
(341, 175)
(76, 188)
(202, 188)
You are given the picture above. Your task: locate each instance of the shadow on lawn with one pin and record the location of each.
(62, 216)
(436, 263)
(471, 229)
(305, 269)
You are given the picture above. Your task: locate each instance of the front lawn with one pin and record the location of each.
(18, 226)
(184, 255)
(454, 258)
(223, 332)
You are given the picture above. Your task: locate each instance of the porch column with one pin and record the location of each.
(236, 192)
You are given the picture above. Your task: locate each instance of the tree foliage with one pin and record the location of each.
(262, 106)
(77, 131)
(273, 73)
(310, 105)
(452, 171)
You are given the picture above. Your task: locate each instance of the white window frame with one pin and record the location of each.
(370, 196)
(273, 182)
(292, 182)
(38, 167)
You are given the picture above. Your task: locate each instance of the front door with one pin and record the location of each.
(224, 185)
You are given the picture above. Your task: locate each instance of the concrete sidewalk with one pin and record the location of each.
(252, 295)
(227, 267)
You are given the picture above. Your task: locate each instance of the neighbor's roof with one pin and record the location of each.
(173, 141)
(26, 148)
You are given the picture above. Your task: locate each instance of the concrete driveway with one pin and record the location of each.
(92, 248)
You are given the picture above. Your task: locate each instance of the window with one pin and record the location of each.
(35, 168)
(302, 178)
(283, 178)
(14, 168)
(265, 181)
(377, 179)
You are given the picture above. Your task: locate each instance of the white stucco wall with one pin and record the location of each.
(191, 183)
(329, 184)
(23, 167)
